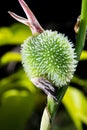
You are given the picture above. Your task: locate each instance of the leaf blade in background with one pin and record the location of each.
(76, 104)
(15, 109)
(14, 35)
(10, 57)
(83, 55)
(80, 82)
(17, 80)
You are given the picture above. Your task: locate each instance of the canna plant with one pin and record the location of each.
(50, 60)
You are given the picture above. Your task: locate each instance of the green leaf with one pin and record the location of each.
(10, 57)
(16, 107)
(76, 104)
(83, 55)
(14, 34)
(18, 80)
(80, 82)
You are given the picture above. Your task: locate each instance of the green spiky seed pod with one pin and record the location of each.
(49, 55)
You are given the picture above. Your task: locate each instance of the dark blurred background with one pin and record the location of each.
(57, 15)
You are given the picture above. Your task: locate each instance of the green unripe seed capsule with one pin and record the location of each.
(49, 55)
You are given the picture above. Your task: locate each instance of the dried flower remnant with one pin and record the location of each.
(31, 20)
(76, 27)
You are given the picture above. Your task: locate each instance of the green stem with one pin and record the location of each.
(80, 42)
(52, 106)
(51, 109)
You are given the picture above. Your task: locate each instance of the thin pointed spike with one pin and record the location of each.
(19, 18)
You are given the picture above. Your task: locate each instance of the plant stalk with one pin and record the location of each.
(80, 41)
(51, 109)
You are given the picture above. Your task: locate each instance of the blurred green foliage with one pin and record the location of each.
(19, 97)
(15, 34)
